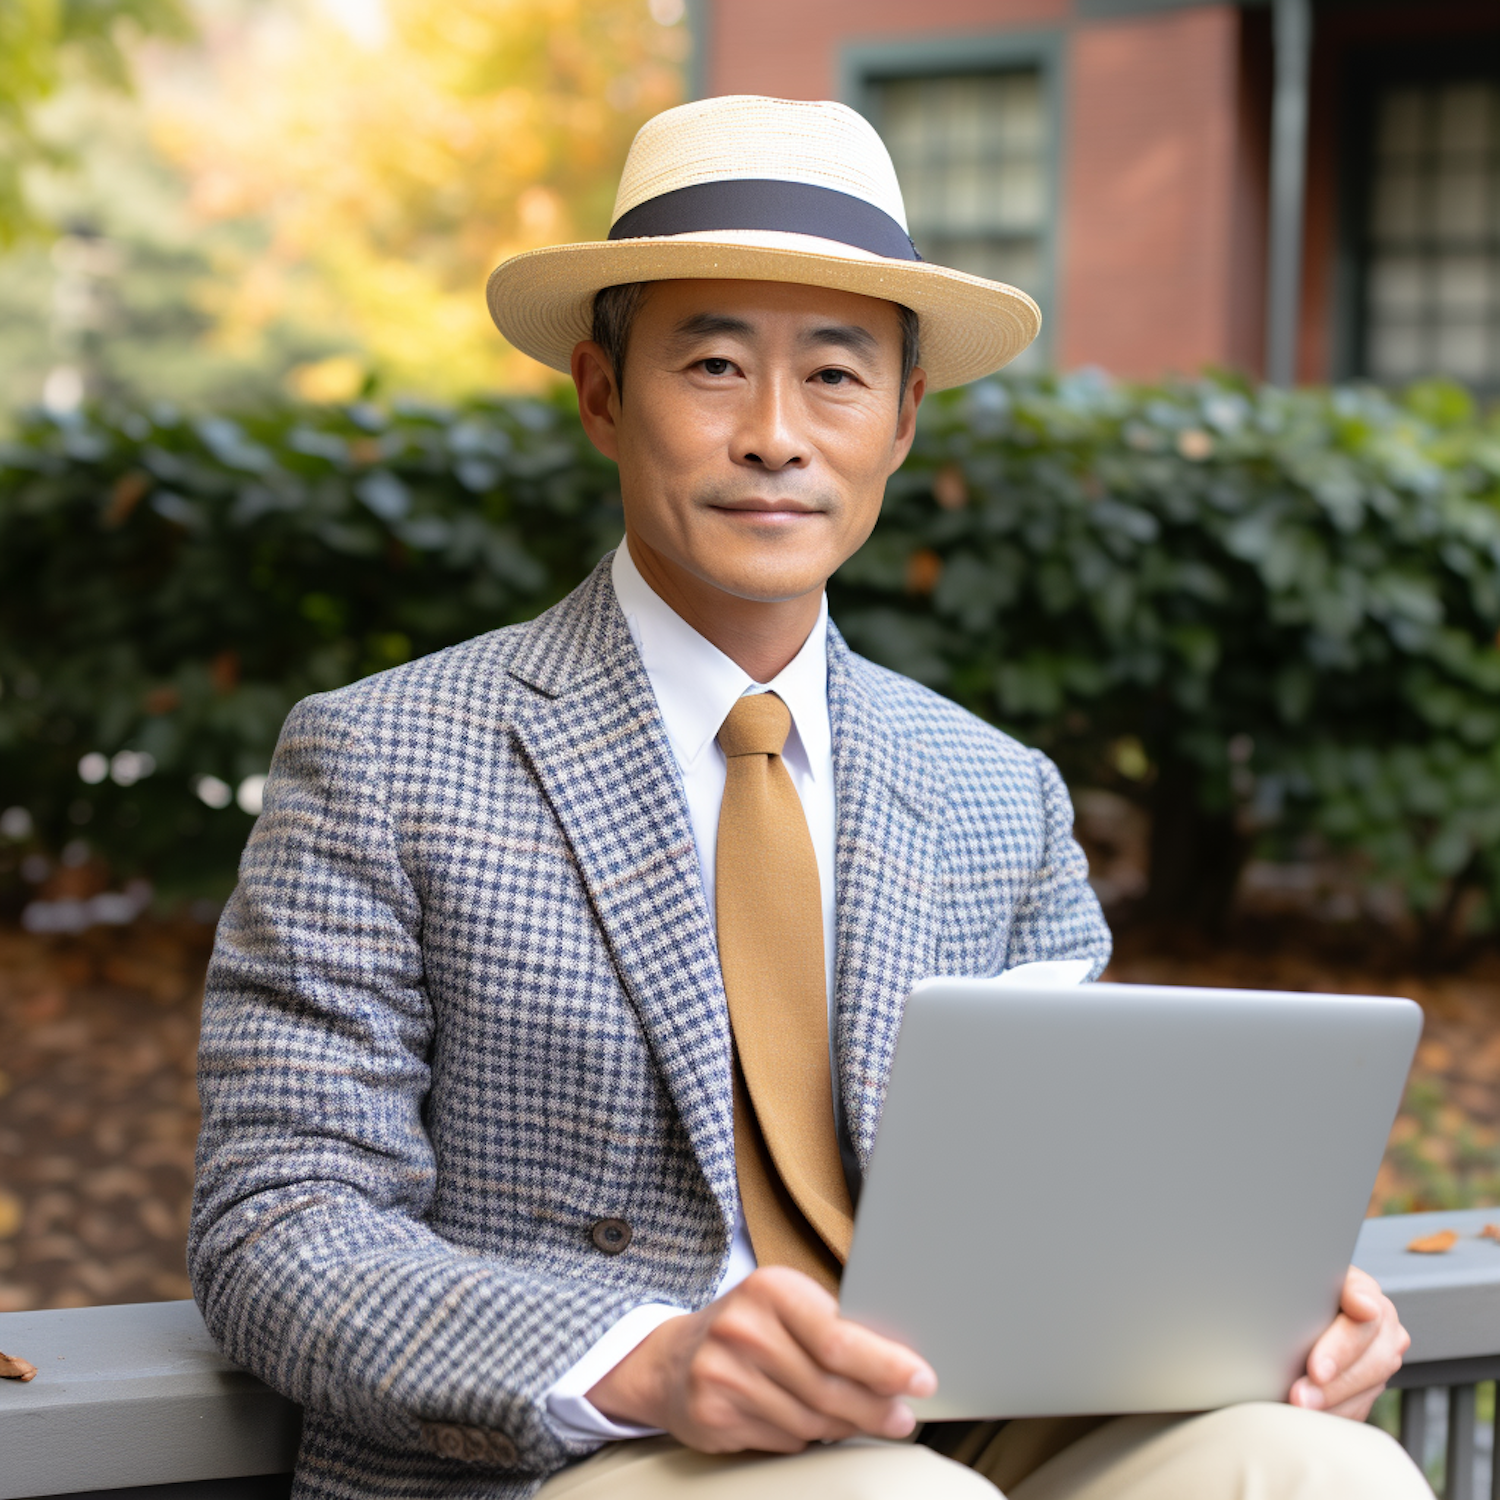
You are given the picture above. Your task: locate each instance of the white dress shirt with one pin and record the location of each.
(696, 685)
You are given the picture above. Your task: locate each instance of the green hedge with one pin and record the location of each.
(171, 585)
(1269, 616)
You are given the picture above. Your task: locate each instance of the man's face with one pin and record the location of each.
(759, 424)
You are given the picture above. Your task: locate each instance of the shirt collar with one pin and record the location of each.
(696, 684)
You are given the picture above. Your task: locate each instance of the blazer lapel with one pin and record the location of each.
(594, 741)
(889, 800)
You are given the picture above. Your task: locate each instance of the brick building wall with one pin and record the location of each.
(1149, 204)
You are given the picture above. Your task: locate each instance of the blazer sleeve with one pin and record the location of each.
(1059, 915)
(309, 1251)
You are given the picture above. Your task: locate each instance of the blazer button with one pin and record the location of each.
(611, 1235)
(471, 1445)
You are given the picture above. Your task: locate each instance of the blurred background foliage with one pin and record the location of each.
(300, 198)
(1267, 617)
(42, 42)
(171, 586)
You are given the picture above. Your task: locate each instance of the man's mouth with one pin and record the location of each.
(762, 505)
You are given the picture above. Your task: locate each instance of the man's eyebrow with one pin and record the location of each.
(848, 336)
(703, 325)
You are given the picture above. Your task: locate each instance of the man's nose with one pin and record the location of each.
(766, 439)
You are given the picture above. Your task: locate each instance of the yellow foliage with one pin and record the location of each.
(392, 168)
(337, 378)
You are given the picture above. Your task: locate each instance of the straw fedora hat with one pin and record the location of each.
(757, 189)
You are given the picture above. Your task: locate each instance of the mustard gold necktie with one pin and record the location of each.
(770, 918)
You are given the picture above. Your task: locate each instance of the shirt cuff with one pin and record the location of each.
(572, 1413)
(1047, 974)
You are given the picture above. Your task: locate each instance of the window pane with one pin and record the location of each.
(1398, 205)
(1018, 107)
(1020, 195)
(1396, 353)
(1460, 201)
(1397, 286)
(1463, 285)
(1462, 350)
(1432, 264)
(1464, 119)
(1399, 132)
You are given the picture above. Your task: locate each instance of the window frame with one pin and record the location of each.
(1366, 73)
(865, 65)
(698, 18)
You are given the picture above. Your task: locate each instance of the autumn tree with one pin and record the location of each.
(397, 152)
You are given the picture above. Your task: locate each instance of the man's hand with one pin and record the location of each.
(1361, 1350)
(769, 1366)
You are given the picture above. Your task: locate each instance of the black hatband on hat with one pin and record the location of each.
(768, 204)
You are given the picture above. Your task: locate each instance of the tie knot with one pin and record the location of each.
(756, 725)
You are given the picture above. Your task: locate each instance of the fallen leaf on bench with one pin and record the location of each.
(14, 1368)
(1490, 1232)
(1435, 1244)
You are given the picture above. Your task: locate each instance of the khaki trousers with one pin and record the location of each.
(1253, 1452)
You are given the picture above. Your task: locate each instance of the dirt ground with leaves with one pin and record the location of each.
(99, 1113)
(98, 1110)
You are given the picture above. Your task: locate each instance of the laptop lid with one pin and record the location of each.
(1121, 1198)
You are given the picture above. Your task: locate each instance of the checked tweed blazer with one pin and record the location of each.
(465, 1004)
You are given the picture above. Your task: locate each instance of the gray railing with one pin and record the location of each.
(1446, 1392)
(1450, 1304)
(137, 1398)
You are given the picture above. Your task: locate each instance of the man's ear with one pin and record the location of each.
(598, 397)
(906, 418)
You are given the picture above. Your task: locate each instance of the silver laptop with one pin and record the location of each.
(1121, 1198)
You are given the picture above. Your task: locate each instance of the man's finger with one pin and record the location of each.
(1341, 1346)
(1367, 1316)
(844, 1348)
(1352, 1362)
(1307, 1393)
(1373, 1368)
(1357, 1408)
(730, 1404)
(756, 1334)
(1361, 1298)
(768, 1407)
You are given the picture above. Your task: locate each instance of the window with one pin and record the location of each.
(1432, 232)
(972, 155)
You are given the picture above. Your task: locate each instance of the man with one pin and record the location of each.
(547, 1031)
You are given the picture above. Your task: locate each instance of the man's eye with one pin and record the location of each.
(716, 366)
(833, 377)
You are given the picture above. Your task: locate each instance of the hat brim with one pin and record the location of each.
(542, 300)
